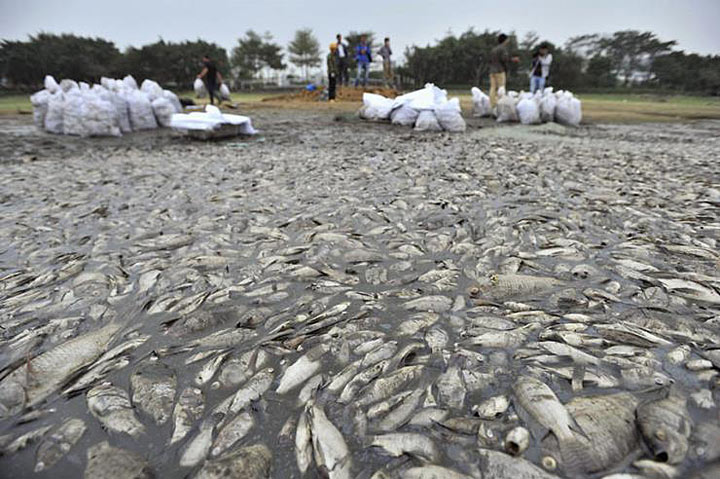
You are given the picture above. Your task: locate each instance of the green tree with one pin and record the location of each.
(254, 52)
(305, 50)
(599, 72)
(633, 52)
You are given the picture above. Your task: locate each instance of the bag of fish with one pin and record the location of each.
(568, 110)
(506, 106)
(528, 109)
(376, 107)
(449, 115)
(199, 87)
(481, 103)
(548, 102)
(225, 92)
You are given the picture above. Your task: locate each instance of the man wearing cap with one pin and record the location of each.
(333, 70)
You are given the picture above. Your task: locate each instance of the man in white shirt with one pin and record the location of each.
(342, 55)
(540, 70)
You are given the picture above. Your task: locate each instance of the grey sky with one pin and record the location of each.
(693, 23)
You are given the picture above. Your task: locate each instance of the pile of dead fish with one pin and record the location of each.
(423, 317)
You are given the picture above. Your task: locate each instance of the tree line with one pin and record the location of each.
(627, 58)
(622, 59)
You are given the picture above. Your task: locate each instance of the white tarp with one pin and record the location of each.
(211, 119)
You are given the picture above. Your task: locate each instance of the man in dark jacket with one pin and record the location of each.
(212, 78)
(333, 71)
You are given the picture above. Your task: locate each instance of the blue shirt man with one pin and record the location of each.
(363, 58)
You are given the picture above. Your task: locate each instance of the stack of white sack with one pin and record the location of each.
(111, 108)
(546, 106)
(211, 119)
(427, 109)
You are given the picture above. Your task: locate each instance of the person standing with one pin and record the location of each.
(540, 70)
(499, 64)
(386, 53)
(363, 58)
(342, 57)
(212, 78)
(333, 71)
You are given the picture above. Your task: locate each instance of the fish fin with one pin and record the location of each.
(653, 393)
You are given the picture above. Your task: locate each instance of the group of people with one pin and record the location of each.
(500, 60)
(338, 64)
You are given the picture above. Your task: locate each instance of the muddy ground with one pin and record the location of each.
(538, 200)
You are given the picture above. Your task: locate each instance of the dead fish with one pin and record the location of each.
(252, 462)
(666, 426)
(302, 369)
(434, 304)
(501, 286)
(188, 410)
(386, 386)
(498, 465)
(107, 462)
(402, 413)
(44, 374)
(413, 444)
(196, 450)
(111, 406)
(303, 442)
(232, 432)
(153, 386)
(330, 450)
(58, 443)
(432, 472)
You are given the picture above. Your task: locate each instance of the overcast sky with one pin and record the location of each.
(693, 23)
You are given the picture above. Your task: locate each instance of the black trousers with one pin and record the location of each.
(332, 83)
(344, 72)
(212, 88)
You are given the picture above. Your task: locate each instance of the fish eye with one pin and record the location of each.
(549, 463)
(661, 434)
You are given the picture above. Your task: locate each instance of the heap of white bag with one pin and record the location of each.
(426, 110)
(529, 109)
(111, 108)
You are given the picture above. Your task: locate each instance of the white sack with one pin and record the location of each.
(224, 92)
(40, 102)
(425, 99)
(449, 116)
(130, 82)
(376, 107)
(67, 85)
(141, 111)
(506, 106)
(427, 121)
(199, 87)
(163, 110)
(50, 84)
(152, 89)
(174, 100)
(54, 116)
(568, 110)
(481, 103)
(99, 117)
(528, 111)
(404, 115)
(548, 102)
(73, 114)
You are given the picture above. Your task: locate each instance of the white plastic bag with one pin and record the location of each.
(425, 99)
(568, 110)
(528, 111)
(50, 84)
(174, 100)
(67, 85)
(73, 113)
(40, 102)
(130, 82)
(376, 107)
(404, 115)
(548, 102)
(199, 87)
(164, 110)
(99, 116)
(54, 116)
(141, 112)
(449, 116)
(427, 121)
(481, 103)
(152, 89)
(224, 92)
(506, 106)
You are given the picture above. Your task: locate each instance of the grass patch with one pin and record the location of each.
(597, 107)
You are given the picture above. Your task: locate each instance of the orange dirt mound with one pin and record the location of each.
(347, 94)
